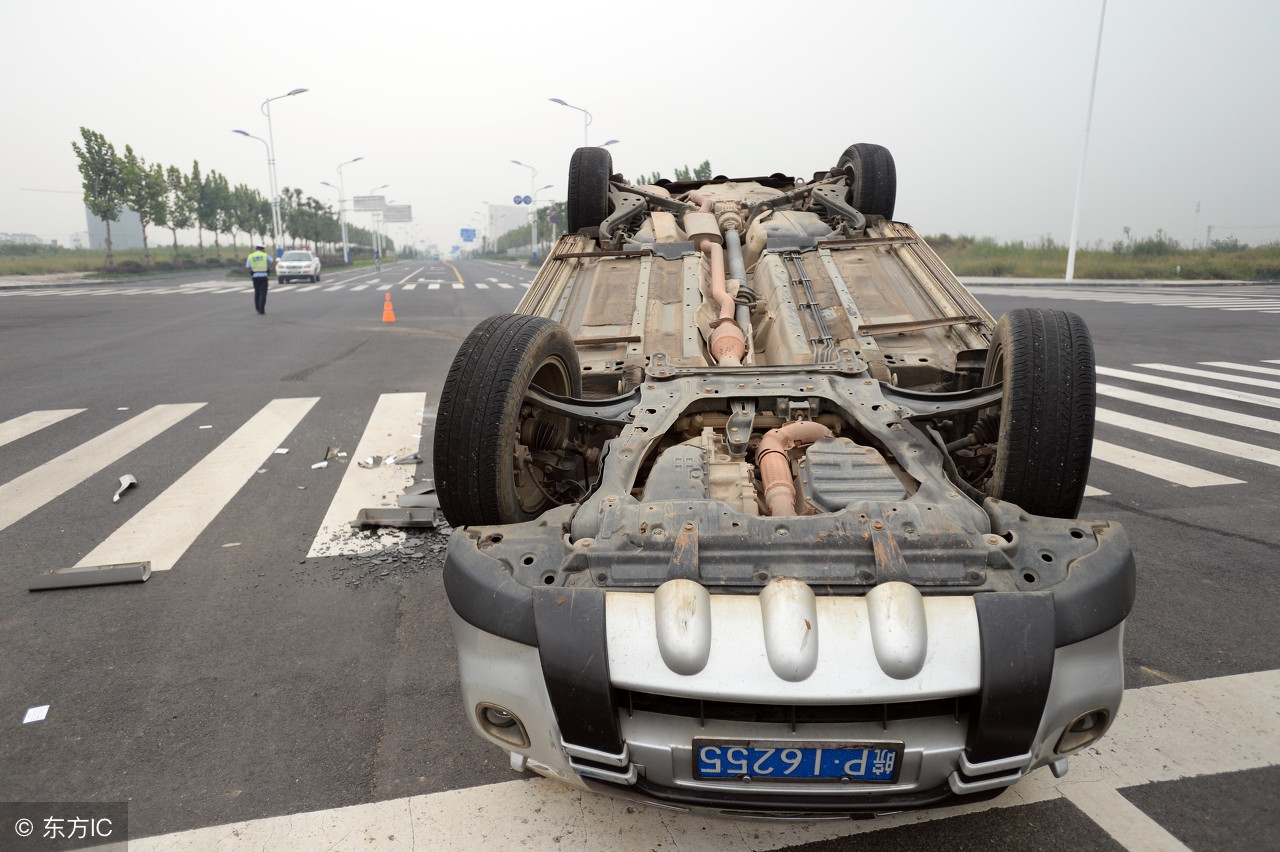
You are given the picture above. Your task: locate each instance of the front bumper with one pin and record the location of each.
(609, 701)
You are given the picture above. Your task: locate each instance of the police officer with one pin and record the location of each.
(259, 265)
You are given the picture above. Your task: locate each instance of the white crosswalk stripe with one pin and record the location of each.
(396, 419)
(1161, 297)
(1209, 374)
(163, 530)
(1152, 428)
(37, 487)
(34, 421)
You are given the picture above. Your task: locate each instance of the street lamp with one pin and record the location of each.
(533, 194)
(271, 160)
(586, 117)
(610, 142)
(342, 211)
(271, 180)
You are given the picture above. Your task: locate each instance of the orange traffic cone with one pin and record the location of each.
(388, 314)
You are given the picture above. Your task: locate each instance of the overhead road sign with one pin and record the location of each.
(397, 213)
(468, 235)
(368, 203)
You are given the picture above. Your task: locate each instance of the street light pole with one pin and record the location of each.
(585, 115)
(533, 195)
(271, 181)
(342, 210)
(271, 162)
(1084, 151)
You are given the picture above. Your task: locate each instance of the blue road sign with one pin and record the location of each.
(518, 200)
(527, 200)
(468, 235)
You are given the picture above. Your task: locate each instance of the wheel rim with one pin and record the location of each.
(533, 488)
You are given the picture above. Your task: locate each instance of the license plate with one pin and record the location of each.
(787, 761)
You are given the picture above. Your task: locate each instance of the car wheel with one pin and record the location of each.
(1045, 359)
(588, 201)
(873, 188)
(492, 450)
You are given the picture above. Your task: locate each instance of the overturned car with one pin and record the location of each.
(760, 512)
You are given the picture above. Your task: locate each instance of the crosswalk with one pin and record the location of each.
(1215, 298)
(223, 287)
(1208, 425)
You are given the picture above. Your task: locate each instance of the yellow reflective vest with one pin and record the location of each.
(258, 262)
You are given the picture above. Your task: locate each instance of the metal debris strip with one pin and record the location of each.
(90, 575)
(400, 518)
(412, 458)
(125, 481)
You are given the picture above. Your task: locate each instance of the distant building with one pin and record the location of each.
(125, 233)
(20, 240)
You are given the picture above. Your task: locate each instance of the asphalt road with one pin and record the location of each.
(256, 681)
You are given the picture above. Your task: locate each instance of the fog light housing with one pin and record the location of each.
(501, 724)
(1083, 730)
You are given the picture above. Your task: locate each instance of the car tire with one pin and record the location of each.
(873, 187)
(1045, 359)
(588, 200)
(480, 423)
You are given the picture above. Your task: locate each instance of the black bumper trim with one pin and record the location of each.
(1017, 638)
(575, 665)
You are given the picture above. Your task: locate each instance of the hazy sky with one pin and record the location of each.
(983, 103)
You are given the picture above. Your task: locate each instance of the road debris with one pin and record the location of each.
(125, 481)
(320, 465)
(35, 714)
(90, 575)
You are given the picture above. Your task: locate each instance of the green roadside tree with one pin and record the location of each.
(103, 183)
(180, 209)
(143, 192)
(193, 188)
(244, 211)
(214, 197)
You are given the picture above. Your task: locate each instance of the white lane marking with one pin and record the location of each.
(409, 287)
(433, 286)
(360, 287)
(1192, 387)
(33, 489)
(386, 286)
(1120, 818)
(1161, 468)
(32, 421)
(1204, 440)
(411, 274)
(1209, 374)
(457, 286)
(334, 287)
(1090, 491)
(395, 420)
(163, 530)
(308, 288)
(1207, 412)
(375, 280)
(505, 286)
(525, 284)
(1143, 746)
(1247, 368)
(279, 289)
(239, 288)
(480, 286)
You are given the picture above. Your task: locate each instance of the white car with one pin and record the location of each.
(299, 263)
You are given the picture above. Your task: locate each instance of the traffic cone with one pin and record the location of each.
(388, 314)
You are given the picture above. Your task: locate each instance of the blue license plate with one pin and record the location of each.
(784, 761)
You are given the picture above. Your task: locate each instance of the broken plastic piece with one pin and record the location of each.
(35, 714)
(319, 465)
(389, 460)
(281, 451)
(414, 458)
(369, 462)
(341, 455)
(232, 544)
(125, 482)
(91, 575)
(210, 426)
(399, 518)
